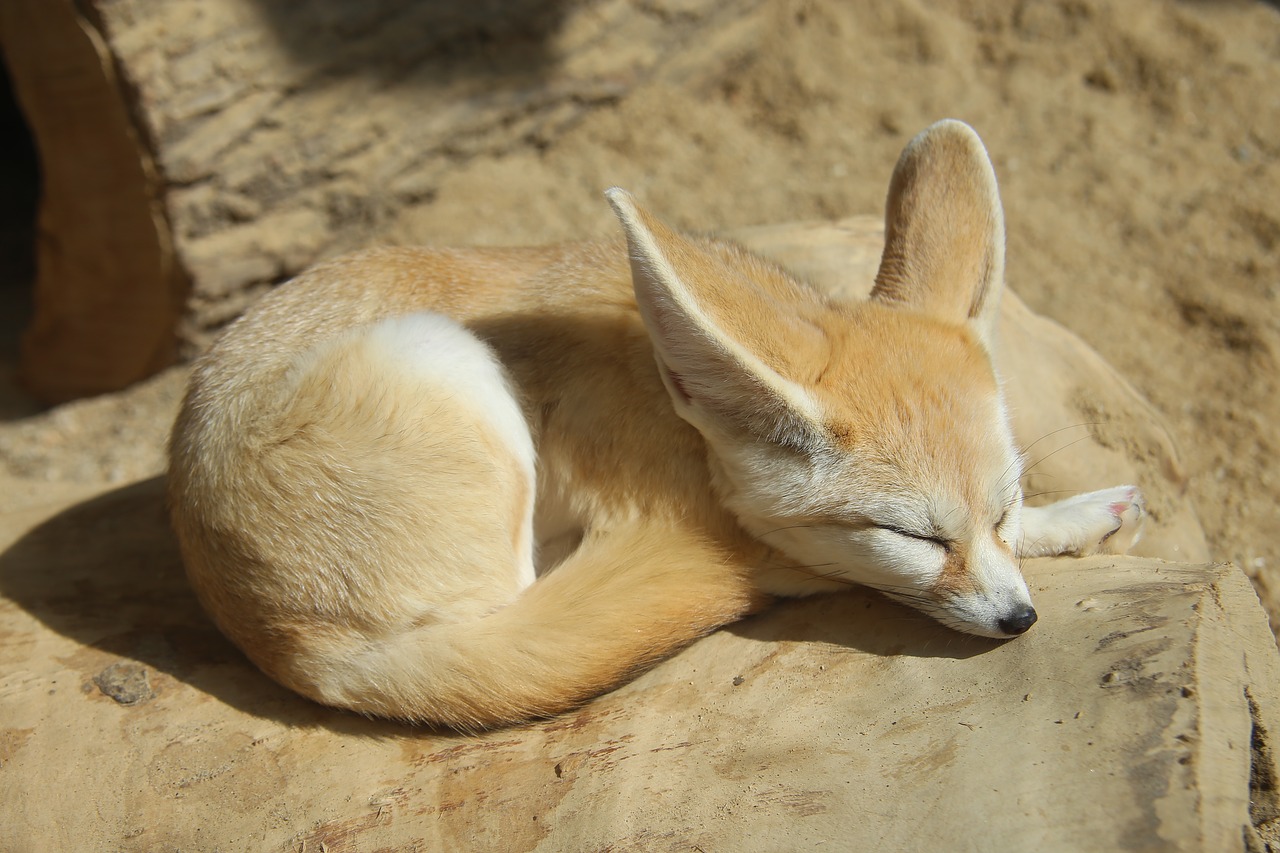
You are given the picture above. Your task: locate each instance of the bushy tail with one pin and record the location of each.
(624, 600)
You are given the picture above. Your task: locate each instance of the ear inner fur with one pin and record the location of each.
(714, 352)
(944, 230)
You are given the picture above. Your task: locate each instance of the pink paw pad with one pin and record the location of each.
(1128, 516)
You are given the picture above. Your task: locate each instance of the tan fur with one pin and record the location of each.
(361, 514)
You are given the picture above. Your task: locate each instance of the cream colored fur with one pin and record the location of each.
(371, 465)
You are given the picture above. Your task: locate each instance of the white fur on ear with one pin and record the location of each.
(944, 230)
(703, 365)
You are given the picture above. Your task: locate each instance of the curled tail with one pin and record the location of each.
(624, 600)
(361, 525)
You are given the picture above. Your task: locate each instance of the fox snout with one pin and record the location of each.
(999, 617)
(981, 591)
(1018, 622)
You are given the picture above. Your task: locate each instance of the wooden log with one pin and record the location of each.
(108, 294)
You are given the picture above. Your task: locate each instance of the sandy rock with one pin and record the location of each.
(1138, 714)
(1123, 721)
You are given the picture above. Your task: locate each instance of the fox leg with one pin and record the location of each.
(1107, 521)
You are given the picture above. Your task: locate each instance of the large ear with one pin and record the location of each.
(722, 342)
(944, 230)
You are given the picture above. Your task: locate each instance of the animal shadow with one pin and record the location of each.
(107, 574)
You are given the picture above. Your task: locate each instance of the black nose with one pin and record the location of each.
(1019, 622)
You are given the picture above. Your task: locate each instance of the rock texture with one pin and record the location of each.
(1135, 716)
(204, 151)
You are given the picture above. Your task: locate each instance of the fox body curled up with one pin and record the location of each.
(479, 486)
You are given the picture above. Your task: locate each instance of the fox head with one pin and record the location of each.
(867, 443)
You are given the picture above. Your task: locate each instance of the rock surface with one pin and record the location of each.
(1138, 714)
(1123, 721)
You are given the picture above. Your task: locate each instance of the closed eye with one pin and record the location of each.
(920, 537)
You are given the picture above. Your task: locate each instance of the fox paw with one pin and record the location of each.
(1108, 521)
(1125, 513)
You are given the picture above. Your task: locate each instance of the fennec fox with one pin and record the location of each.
(480, 486)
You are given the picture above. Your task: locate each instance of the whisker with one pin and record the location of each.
(822, 576)
(1053, 453)
(901, 592)
(1048, 492)
(1027, 449)
(788, 527)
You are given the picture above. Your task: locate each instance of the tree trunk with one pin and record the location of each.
(108, 294)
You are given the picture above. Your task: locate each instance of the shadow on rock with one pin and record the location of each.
(107, 574)
(861, 620)
(418, 41)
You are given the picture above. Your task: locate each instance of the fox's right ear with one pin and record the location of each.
(720, 362)
(944, 230)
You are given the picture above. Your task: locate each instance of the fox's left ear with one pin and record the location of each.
(944, 230)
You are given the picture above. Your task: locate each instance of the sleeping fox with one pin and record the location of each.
(480, 486)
